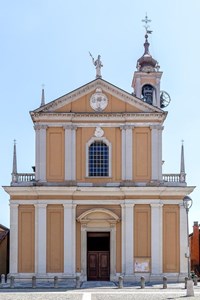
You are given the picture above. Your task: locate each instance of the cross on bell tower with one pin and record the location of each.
(146, 80)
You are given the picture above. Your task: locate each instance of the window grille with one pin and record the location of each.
(98, 159)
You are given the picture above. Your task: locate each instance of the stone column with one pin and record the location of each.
(40, 162)
(13, 238)
(69, 239)
(183, 241)
(127, 152)
(113, 251)
(156, 239)
(156, 140)
(127, 239)
(70, 152)
(40, 238)
(84, 252)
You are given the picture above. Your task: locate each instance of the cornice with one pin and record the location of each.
(100, 117)
(88, 88)
(123, 192)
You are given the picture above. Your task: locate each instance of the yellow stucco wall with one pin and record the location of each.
(55, 238)
(141, 154)
(171, 239)
(55, 154)
(26, 239)
(83, 105)
(142, 231)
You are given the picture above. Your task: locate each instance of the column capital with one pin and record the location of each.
(70, 126)
(129, 205)
(153, 205)
(126, 126)
(156, 127)
(40, 205)
(38, 127)
(14, 205)
(69, 205)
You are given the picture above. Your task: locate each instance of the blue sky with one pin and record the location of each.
(47, 42)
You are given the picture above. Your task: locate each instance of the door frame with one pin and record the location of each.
(89, 223)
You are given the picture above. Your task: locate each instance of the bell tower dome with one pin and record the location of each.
(146, 80)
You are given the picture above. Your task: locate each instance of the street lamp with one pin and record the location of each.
(187, 203)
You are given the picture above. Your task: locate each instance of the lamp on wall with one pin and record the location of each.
(187, 203)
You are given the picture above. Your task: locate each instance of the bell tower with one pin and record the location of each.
(146, 80)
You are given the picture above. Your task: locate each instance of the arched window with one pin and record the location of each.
(98, 156)
(147, 93)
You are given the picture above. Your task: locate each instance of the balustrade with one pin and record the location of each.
(29, 177)
(23, 177)
(173, 178)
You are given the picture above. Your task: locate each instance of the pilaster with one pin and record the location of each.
(40, 238)
(183, 240)
(127, 238)
(40, 164)
(113, 250)
(69, 239)
(156, 239)
(157, 92)
(13, 238)
(70, 152)
(127, 152)
(84, 251)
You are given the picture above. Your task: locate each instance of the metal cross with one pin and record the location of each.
(146, 21)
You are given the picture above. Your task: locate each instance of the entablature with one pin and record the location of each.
(98, 117)
(114, 192)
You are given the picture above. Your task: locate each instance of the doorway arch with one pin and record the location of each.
(98, 220)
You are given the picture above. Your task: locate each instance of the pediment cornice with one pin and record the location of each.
(91, 86)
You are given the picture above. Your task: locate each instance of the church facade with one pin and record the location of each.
(97, 204)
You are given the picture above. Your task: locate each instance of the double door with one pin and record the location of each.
(98, 256)
(98, 265)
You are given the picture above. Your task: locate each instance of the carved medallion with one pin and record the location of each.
(98, 100)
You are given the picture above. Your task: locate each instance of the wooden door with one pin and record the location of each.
(98, 265)
(104, 265)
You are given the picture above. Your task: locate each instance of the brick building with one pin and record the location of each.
(194, 239)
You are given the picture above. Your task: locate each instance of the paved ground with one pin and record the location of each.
(100, 291)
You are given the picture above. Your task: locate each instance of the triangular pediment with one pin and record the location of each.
(78, 101)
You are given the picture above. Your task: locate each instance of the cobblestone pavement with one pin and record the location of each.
(98, 295)
(101, 291)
